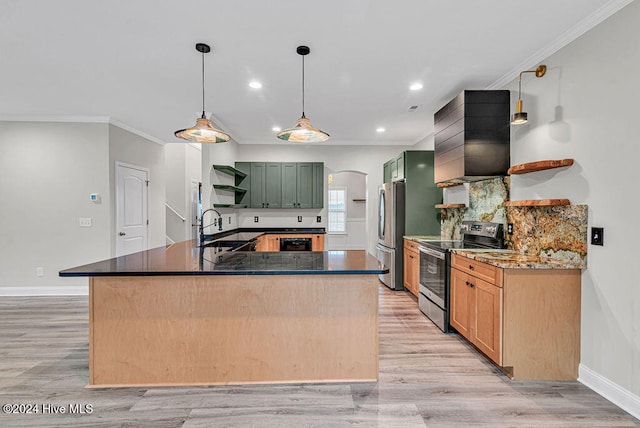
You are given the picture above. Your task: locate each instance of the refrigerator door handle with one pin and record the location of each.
(381, 215)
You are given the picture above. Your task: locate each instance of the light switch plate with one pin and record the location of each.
(597, 236)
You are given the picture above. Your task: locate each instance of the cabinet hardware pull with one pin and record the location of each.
(267, 204)
(471, 267)
(471, 284)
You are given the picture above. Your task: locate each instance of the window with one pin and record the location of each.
(337, 209)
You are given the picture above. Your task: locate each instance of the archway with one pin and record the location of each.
(347, 210)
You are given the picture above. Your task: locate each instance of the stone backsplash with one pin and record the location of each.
(559, 233)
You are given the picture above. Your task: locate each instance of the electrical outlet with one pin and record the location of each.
(85, 221)
(39, 271)
(255, 219)
(510, 228)
(299, 219)
(318, 219)
(597, 236)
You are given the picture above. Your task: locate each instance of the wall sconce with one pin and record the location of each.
(520, 117)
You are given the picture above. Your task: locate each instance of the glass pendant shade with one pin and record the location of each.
(203, 132)
(303, 132)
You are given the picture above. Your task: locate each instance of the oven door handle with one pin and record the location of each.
(430, 252)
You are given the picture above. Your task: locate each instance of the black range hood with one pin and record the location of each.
(472, 137)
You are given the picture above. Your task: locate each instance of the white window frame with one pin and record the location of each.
(329, 210)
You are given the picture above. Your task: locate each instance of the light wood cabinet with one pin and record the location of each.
(271, 241)
(525, 320)
(411, 267)
(317, 242)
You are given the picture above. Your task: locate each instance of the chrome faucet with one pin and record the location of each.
(216, 222)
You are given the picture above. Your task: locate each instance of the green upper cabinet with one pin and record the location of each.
(258, 182)
(273, 185)
(387, 172)
(399, 162)
(318, 185)
(304, 189)
(265, 185)
(283, 184)
(394, 170)
(289, 185)
(415, 167)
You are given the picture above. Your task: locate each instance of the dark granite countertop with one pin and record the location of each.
(187, 258)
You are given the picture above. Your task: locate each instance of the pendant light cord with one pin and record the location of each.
(303, 86)
(203, 115)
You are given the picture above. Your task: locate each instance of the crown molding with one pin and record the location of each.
(591, 21)
(80, 119)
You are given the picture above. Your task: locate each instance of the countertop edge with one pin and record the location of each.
(541, 263)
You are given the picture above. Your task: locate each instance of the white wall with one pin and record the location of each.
(127, 147)
(48, 172)
(183, 164)
(585, 108)
(365, 159)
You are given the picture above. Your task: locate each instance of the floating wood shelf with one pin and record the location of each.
(539, 166)
(229, 206)
(229, 170)
(229, 188)
(359, 200)
(445, 206)
(444, 185)
(537, 203)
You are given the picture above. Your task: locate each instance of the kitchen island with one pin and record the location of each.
(190, 315)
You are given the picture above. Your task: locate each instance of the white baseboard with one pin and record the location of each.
(619, 396)
(69, 290)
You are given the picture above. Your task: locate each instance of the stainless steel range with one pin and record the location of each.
(435, 266)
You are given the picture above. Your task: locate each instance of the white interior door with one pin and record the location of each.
(131, 209)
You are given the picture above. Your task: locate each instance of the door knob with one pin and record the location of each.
(121, 233)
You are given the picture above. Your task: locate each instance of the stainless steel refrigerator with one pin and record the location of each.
(390, 233)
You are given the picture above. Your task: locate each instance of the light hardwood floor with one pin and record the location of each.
(426, 379)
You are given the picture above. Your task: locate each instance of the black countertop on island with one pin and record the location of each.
(187, 258)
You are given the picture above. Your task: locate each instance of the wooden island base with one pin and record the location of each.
(210, 330)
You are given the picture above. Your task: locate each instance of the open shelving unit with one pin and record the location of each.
(445, 185)
(538, 203)
(526, 168)
(446, 206)
(229, 170)
(238, 192)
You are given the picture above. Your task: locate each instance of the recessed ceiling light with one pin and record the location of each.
(416, 86)
(381, 129)
(255, 85)
(276, 129)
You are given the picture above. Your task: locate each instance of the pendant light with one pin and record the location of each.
(520, 117)
(203, 131)
(303, 132)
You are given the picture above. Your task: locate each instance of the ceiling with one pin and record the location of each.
(135, 62)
